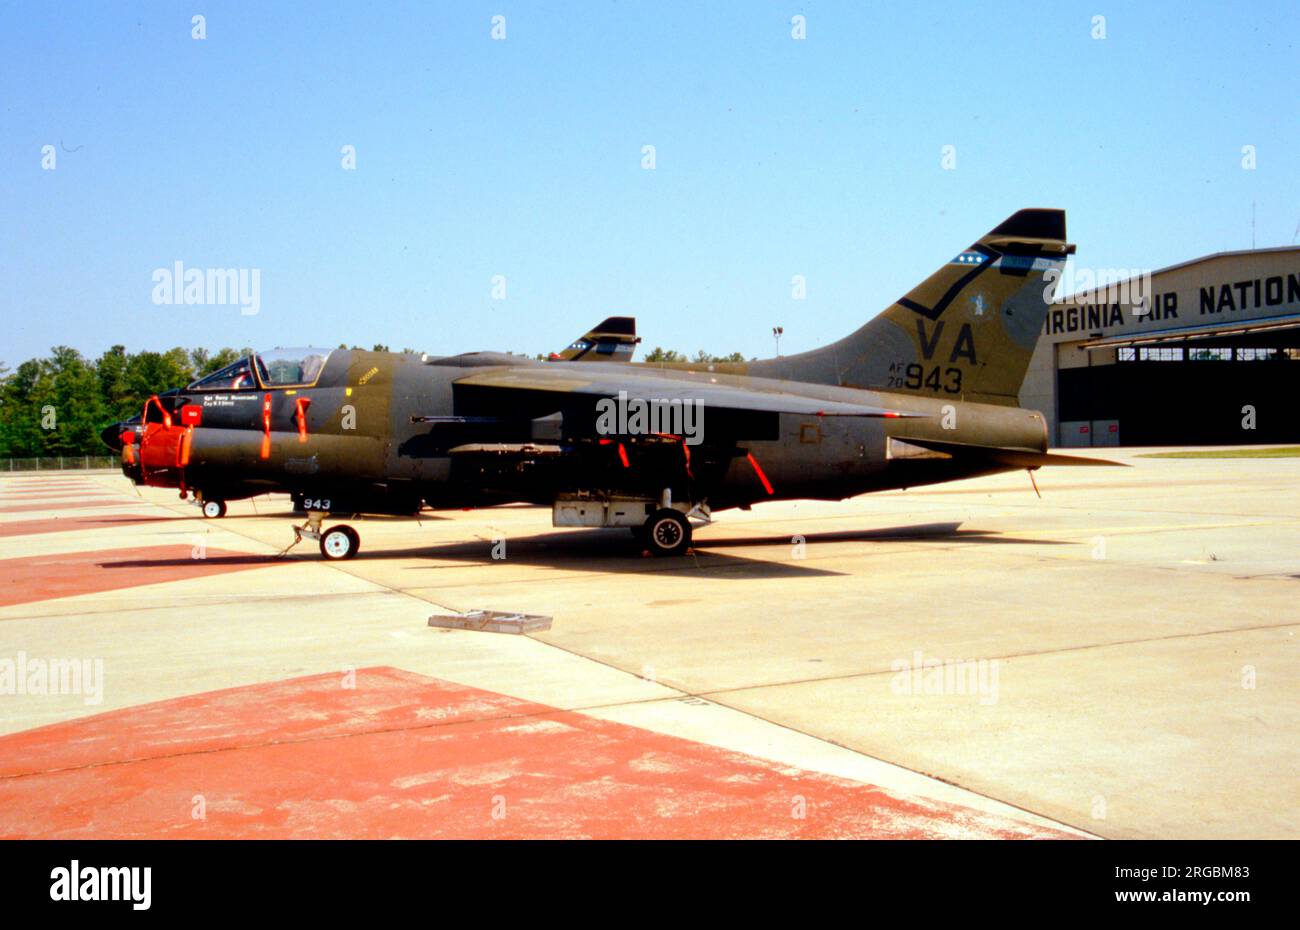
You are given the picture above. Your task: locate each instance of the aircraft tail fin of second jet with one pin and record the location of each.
(965, 333)
(612, 340)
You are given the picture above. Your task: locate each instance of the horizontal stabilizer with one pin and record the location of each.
(1001, 455)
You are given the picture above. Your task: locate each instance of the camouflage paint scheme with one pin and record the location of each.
(923, 393)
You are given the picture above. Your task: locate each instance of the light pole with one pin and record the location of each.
(776, 336)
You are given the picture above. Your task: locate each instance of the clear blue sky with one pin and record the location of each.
(522, 157)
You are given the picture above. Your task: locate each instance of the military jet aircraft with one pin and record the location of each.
(925, 392)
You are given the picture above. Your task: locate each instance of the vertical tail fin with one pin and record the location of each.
(966, 332)
(612, 340)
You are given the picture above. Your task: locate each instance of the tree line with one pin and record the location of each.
(658, 354)
(57, 405)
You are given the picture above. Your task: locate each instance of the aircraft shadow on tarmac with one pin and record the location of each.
(596, 551)
(614, 550)
(924, 532)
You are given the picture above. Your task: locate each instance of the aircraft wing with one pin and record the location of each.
(561, 384)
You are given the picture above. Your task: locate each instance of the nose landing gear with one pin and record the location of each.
(337, 544)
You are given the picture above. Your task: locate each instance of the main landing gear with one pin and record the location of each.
(665, 532)
(336, 544)
(658, 525)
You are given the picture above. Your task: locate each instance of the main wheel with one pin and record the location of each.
(667, 532)
(339, 542)
(214, 509)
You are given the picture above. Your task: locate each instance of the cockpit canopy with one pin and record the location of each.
(276, 368)
(290, 367)
(235, 376)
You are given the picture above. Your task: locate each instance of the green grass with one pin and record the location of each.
(1281, 452)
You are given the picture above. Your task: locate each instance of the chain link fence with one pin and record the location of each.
(60, 463)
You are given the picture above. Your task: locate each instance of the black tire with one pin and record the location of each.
(339, 543)
(666, 532)
(213, 510)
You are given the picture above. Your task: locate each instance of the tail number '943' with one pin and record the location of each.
(934, 378)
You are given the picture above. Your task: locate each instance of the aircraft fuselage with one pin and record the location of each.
(386, 433)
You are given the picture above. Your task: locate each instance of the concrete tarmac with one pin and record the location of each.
(1117, 659)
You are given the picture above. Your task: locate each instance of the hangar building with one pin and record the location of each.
(1203, 352)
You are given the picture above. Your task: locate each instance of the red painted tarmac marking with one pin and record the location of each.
(53, 503)
(57, 492)
(38, 485)
(58, 500)
(53, 492)
(50, 488)
(402, 755)
(43, 577)
(72, 504)
(67, 524)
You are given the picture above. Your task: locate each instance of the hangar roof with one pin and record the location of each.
(1231, 254)
(1273, 250)
(1184, 333)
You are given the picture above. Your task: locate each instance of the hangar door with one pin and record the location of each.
(1189, 395)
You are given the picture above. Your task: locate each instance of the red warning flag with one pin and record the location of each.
(301, 415)
(767, 485)
(266, 426)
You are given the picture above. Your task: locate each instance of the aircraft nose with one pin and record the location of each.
(111, 436)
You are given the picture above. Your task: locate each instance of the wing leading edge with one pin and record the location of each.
(649, 388)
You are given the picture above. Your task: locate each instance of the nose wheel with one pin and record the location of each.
(337, 544)
(213, 509)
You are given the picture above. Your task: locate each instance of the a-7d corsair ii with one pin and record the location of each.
(923, 393)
